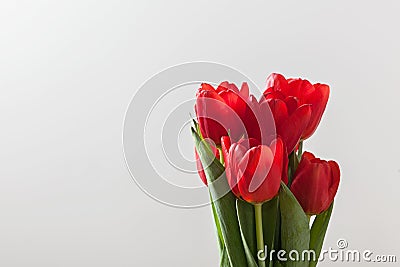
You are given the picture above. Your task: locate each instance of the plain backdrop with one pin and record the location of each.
(68, 70)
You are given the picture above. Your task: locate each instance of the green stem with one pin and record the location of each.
(295, 162)
(300, 152)
(292, 167)
(259, 233)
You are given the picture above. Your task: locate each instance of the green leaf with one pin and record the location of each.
(246, 216)
(295, 232)
(218, 228)
(318, 231)
(224, 202)
(270, 220)
(215, 215)
(277, 243)
(224, 262)
(197, 128)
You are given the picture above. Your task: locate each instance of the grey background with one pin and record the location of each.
(68, 70)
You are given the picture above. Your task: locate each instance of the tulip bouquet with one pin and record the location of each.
(265, 191)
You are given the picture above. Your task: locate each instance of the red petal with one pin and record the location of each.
(225, 86)
(277, 81)
(239, 119)
(248, 143)
(299, 88)
(260, 178)
(236, 152)
(280, 158)
(205, 87)
(318, 100)
(244, 91)
(279, 110)
(335, 178)
(292, 129)
(252, 118)
(308, 155)
(267, 123)
(211, 111)
(310, 186)
(291, 103)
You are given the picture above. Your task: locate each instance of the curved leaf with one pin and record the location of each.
(295, 231)
(224, 203)
(270, 222)
(224, 259)
(318, 231)
(246, 216)
(218, 229)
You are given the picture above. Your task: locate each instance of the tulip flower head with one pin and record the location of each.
(297, 106)
(315, 183)
(227, 110)
(254, 171)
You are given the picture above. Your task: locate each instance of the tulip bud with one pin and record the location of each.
(315, 183)
(254, 171)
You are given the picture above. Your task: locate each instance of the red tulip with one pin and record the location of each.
(254, 171)
(226, 111)
(315, 183)
(199, 165)
(297, 106)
